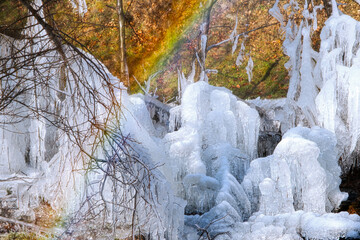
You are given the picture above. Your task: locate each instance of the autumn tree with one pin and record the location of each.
(42, 68)
(123, 65)
(165, 35)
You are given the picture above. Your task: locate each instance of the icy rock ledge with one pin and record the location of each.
(300, 225)
(304, 174)
(291, 194)
(231, 195)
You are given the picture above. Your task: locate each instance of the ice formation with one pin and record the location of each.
(275, 12)
(199, 158)
(234, 37)
(240, 56)
(210, 171)
(41, 162)
(205, 153)
(338, 68)
(39, 159)
(80, 6)
(303, 157)
(323, 89)
(249, 69)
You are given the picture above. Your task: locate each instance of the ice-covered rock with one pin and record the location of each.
(338, 70)
(211, 151)
(285, 181)
(324, 87)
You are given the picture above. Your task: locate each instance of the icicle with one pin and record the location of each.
(33, 28)
(294, 5)
(308, 90)
(179, 88)
(145, 90)
(175, 118)
(314, 16)
(203, 45)
(191, 76)
(234, 37)
(80, 5)
(183, 82)
(335, 10)
(235, 44)
(354, 107)
(292, 48)
(249, 69)
(240, 57)
(275, 12)
(234, 32)
(147, 86)
(203, 76)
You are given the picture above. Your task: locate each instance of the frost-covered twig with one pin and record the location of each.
(36, 228)
(239, 35)
(146, 88)
(125, 170)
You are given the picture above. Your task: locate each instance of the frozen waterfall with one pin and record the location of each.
(196, 172)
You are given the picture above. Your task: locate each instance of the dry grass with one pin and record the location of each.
(46, 216)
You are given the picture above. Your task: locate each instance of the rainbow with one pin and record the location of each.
(185, 17)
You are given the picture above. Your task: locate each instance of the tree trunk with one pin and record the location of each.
(123, 66)
(327, 7)
(57, 41)
(204, 32)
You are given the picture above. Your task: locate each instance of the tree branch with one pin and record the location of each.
(28, 225)
(239, 35)
(49, 30)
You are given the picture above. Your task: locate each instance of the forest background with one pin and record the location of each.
(162, 37)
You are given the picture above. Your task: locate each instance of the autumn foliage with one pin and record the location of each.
(163, 35)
